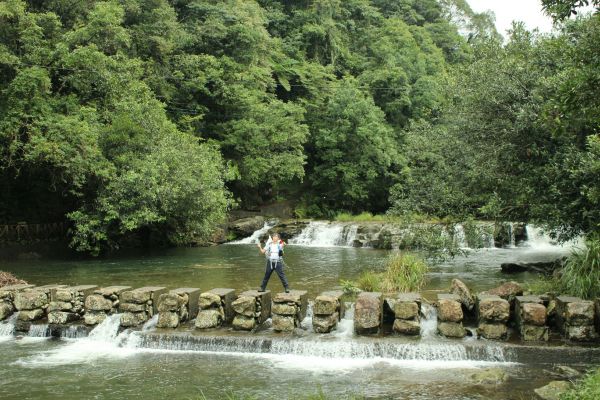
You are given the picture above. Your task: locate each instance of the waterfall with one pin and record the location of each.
(255, 237)
(428, 321)
(39, 330)
(349, 234)
(150, 324)
(538, 240)
(74, 332)
(323, 234)
(511, 235)
(7, 327)
(460, 238)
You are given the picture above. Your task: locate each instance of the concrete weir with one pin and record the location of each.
(69, 310)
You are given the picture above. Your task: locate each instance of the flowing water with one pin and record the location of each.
(152, 363)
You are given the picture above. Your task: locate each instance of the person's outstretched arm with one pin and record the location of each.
(260, 248)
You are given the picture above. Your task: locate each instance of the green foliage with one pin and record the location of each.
(587, 388)
(581, 274)
(362, 217)
(349, 288)
(561, 9)
(543, 285)
(402, 272)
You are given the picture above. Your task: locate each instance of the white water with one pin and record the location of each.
(150, 324)
(255, 237)
(320, 234)
(460, 238)
(428, 321)
(38, 331)
(7, 328)
(537, 239)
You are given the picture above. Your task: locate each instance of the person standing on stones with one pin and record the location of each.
(274, 251)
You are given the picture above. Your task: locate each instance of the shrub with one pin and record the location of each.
(586, 389)
(369, 281)
(403, 273)
(581, 273)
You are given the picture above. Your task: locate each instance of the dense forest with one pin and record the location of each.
(161, 116)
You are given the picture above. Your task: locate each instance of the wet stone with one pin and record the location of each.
(97, 302)
(227, 296)
(507, 291)
(494, 331)
(31, 315)
(6, 311)
(284, 309)
(325, 305)
(209, 300)
(61, 317)
(60, 306)
(132, 308)
(167, 319)
(368, 312)
(553, 390)
(114, 291)
(130, 319)
(263, 304)
(94, 317)
(449, 310)
(283, 323)
(241, 322)
(583, 333)
(579, 313)
(464, 294)
(534, 333)
(406, 310)
(325, 323)
(30, 300)
(489, 376)
(451, 329)
(245, 305)
(533, 314)
(211, 318)
(170, 302)
(493, 309)
(407, 327)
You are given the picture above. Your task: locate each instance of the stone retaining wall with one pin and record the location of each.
(532, 318)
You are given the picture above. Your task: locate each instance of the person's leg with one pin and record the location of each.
(268, 272)
(281, 274)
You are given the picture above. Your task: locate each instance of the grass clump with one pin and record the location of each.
(586, 389)
(543, 285)
(362, 217)
(581, 274)
(402, 272)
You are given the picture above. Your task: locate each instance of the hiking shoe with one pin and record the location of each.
(261, 290)
(287, 290)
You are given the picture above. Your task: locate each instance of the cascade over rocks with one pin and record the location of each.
(246, 226)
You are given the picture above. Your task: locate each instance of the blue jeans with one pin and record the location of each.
(276, 266)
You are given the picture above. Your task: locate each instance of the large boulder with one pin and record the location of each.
(283, 323)
(210, 318)
(495, 331)
(368, 311)
(168, 319)
(97, 302)
(533, 314)
(489, 376)
(30, 300)
(245, 305)
(493, 309)
(462, 291)
(449, 310)
(553, 390)
(325, 323)
(407, 327)
(209, 300)
(246, 226)
(508, 290)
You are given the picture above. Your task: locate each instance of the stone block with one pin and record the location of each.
(493, 309)
(49, 288)
(112, 292)
(245, 305)
(533, 314)
(8, 291)
(62, 317)
(284, 309)
(62, 295)
(294, 297)
(451, 329)
(582, 333)
(209, 300)
(131, 319)
(407, 327)
(263, 300)
(94, 317)
(241, 322)
(325, 323)
(406, 310)
(464, 294)
(31, 315)
(6, 310)
(30, 300)
(534, 333)
(368, 312)
(338, 294)
(227, 297)
(495, 331)
(97, 302)
(168, 319)
(283, 323)
(143, 295)
(325, 305)
(211, 318)
(170, 302)
(59, 306)
(133, 308)
(449, 310)
(579, 313)
(193, 296)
